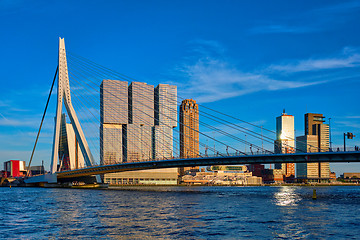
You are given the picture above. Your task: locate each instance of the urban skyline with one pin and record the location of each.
(290, 63)
(180, 119)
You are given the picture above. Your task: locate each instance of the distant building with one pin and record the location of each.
(14, 168)
(36, 170)
(284, 143)
(164, 176)
(316, 139)
(165, 109)
(228, 168)
(350, 175)
(141, 104)
(138, 132)
(256, 169)
(139, 127)
(113, 115)
(223, 175)
(189, 132)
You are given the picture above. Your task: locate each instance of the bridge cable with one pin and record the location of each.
(42, 120)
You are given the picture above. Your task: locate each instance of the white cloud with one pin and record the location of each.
(352, 117)
(209, 76)
(350, 61)
(213, 79)
(349, 124)
(10, 122)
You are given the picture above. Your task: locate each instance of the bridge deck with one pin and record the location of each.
(207, 161)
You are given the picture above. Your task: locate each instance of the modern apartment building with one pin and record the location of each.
(189, 131)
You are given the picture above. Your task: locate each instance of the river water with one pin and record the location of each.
(180, 213)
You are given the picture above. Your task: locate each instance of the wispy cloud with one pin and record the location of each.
(345, 60)
(10, 122)
(211, 77)
(212, 80)
(349, 124)
(353, 117)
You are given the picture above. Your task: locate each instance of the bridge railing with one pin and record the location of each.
(222, 154)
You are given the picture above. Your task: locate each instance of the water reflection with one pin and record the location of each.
(286, 196)
(180, 213)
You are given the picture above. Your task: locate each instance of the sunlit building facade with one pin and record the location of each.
(141, 130)
(113, 116)
(165, 96)
(316, 139)
(284, 143)
(189, 131)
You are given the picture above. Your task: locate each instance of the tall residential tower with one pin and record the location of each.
(189, 131)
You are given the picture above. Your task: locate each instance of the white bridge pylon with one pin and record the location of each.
(64, 95)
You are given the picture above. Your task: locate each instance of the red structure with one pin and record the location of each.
(14, 168)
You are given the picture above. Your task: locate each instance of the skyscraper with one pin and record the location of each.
(284, 143)
(165, 107)
(138, 133)
(189, 130)
(316, 139)
(141, 104)
(137, 124)
(307, 143)
(113, 115)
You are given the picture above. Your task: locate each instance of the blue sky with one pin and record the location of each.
(251, 59)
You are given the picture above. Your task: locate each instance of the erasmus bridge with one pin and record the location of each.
(223, 139)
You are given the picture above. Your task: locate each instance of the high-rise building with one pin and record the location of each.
(113, 115)
(312, 119)
(141, 104)
(189, 131)
(313, 172)
(285, 143)
(316, 139)
(137, 142)
(111, 144)
(140, 129)
(322, 132)
(165, 108)
(137, 134)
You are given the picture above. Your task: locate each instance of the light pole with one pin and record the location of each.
(330, 133)
(349, 135)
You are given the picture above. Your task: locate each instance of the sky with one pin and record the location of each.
(249, 59)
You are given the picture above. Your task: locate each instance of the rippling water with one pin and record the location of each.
(180, 213)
